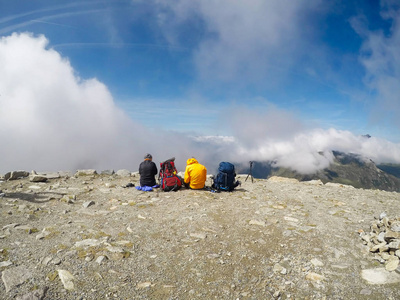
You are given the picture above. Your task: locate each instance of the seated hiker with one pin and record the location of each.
(148, 171)
(195, 174)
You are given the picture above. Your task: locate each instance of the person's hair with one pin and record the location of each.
(148, 156)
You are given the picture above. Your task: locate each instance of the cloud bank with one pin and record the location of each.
(51, 119)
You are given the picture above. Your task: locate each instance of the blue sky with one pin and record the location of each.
(280, 68)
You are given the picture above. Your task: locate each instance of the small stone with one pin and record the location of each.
(27, 228)
(45, 261)
(66, 279)
(317, 263)
(87, 204)
(392, 263)
(291, 219)
(381, 237)
(115, 249)
(382, 215)
(5, 263)
(70, 199)
(277, 294)
(377, 248)
(256, 222)
(365, 292)
(56, 261)
(89, 257)
(143, 285)
(394, 245)
(43, 234)
(201, 236)
(100, 259)
(386, 222)
(395, 226)
(397, 253)
(314, 276)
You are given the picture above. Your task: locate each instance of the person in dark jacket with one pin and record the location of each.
(148, 171)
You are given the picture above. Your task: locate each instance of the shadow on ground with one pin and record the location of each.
(41, 197)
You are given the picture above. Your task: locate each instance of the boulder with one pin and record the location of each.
(16, 175)
(86, 172)
(124, 173)
(37, 178)
(107, 172)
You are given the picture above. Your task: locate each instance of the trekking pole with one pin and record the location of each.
(250, 171)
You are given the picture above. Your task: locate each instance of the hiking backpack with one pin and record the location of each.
(169, 180)
(225, 179)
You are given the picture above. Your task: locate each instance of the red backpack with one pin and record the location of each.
(169, 180)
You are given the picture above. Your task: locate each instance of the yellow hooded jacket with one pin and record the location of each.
(195, 174)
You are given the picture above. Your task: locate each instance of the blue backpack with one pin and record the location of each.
(225, 179)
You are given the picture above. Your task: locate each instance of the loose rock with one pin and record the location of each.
(66, 279)
(14, 277)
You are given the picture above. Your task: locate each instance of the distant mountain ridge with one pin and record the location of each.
(347, 168)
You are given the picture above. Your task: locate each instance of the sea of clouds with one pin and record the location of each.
(51, 119)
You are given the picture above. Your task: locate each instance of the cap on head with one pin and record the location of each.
(148, 156)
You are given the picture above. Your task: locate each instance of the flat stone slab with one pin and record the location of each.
(14, 277)
(88, 243)
(380, 276)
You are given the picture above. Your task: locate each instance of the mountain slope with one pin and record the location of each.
(347, 168)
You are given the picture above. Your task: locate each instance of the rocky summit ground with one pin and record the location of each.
(88, 236)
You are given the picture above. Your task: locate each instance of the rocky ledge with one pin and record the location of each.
(90, 236)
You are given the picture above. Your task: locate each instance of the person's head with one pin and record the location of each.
(191, 160)
(148, 157)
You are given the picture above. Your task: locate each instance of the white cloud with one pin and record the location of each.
(50, 119)
(308, 151)
(266, 122)
(381, 58)
(245, 40)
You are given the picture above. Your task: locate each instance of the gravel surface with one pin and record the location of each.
(90, 237)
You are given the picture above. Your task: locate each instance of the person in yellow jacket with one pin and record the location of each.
(195, 174)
